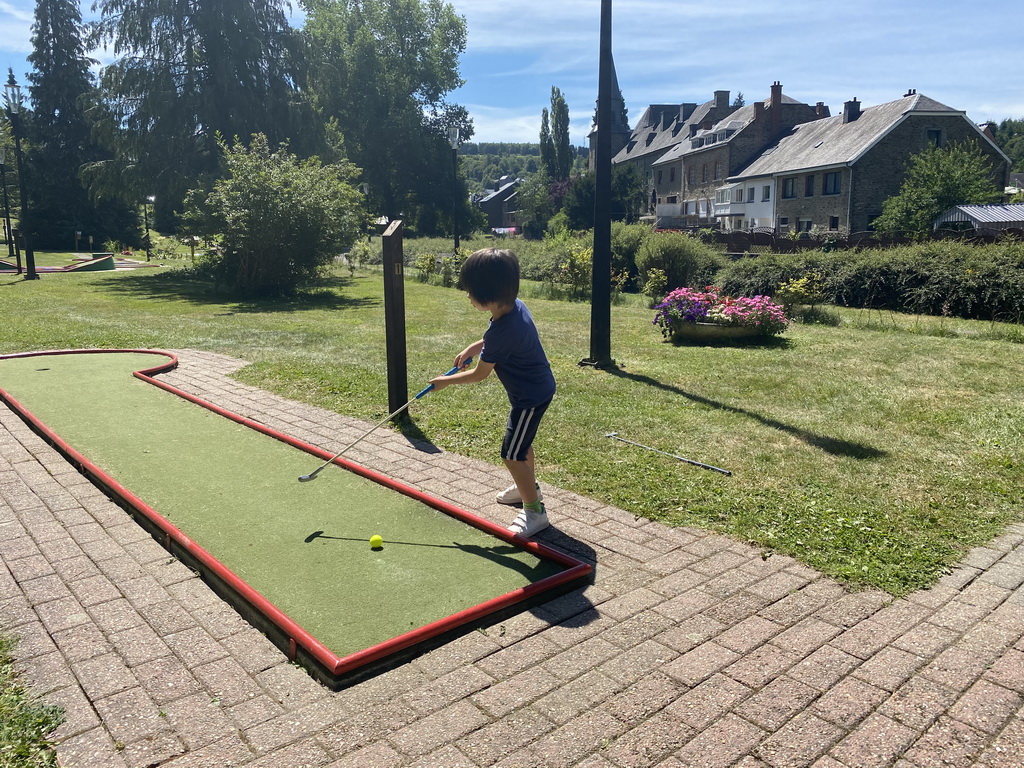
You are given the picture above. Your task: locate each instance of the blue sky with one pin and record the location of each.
(966, 55)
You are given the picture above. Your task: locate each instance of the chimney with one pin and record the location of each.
(820, 110)
(776, 115)
(989, 129)
(721, 99)
(910, 92)
(851, 110)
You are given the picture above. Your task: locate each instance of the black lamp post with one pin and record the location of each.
(453, 139)
(145, 216)
(7, 208)
(13, 93)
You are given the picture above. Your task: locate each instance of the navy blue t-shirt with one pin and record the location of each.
(512, 344)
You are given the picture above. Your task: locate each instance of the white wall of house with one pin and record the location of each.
(746, 204)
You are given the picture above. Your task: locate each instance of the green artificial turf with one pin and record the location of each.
(235, 492)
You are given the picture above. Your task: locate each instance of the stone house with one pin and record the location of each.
(665, 126)
(690, 177)
(499, 205)
(834, 174)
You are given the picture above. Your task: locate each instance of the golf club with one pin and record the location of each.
(615, 436)
(312, 475)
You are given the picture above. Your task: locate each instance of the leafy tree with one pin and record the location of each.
(280, 219)
(1010, 138)
(627, 197)
(62, 90)
(382, 70)
(534, 206)
(188, 72)
(739, 101)
(937, 179)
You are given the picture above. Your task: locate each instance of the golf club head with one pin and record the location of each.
(611, 434)
(307, 478)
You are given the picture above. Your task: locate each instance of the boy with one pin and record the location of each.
(512, 349)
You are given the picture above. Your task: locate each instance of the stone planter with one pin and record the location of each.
(711, 332)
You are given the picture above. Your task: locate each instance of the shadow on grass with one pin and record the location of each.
(173, 287)
(832, 445)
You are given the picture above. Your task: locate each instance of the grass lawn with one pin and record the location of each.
(877, 451)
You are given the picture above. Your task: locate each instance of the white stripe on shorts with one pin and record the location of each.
(519, 434)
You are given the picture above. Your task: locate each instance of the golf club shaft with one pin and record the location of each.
(383, 421)
(680, 458)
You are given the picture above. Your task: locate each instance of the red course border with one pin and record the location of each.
(297, 637)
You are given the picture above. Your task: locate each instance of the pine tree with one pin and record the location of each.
(61, 90)
(186, 73)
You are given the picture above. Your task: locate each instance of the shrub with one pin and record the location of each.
(685, 260)
(627, 239)
(281, 219)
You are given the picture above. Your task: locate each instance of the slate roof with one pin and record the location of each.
(831, 142)
(651, 122)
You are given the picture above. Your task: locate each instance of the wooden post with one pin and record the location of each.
(394, 318)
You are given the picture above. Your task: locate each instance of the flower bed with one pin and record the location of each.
(686, 307)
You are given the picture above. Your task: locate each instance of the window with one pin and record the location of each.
(718, 169)
(659, 176)
(831, 183)
(833, 223)
(789, 188)
(737, 195)
(672, 199)
(766, 193)
(704, 173)
(784, 222)
(804, 225)
(750, 194)
(933, 137)
(693, 176)
(672, 174)
(809, 186)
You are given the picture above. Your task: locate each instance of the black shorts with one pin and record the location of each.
(520, 431)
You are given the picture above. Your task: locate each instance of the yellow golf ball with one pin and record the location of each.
(376, 542)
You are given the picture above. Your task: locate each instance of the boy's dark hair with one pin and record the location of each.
(491, 276)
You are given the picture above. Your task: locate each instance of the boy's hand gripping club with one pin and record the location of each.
(312, 475)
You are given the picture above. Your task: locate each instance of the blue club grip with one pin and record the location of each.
(456, 369)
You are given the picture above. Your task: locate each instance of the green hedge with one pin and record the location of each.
(983, 282)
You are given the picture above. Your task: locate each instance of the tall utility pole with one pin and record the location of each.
(453, 140)
(601, 291)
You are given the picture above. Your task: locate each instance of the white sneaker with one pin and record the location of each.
(511, 495)
(528, 523)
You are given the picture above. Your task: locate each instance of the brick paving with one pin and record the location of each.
(688, 649)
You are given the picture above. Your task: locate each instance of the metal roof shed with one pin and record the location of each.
(983, 216)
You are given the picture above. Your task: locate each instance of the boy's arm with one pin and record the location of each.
(471, 351)
(478, 373)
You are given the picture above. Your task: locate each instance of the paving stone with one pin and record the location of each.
(703, 705)
(447, 725)
(166, 679)
(701, 663)
(721, 744)
(198, 720)
(572, 699)
(947, 743)
(918, 703)
(889, 668)
(451, 688)
(104, 675)
(849, 702)
(645, 744)
(502, 737)
(91, 749)
(574, 740)
(986, 707)
(878, 742)
(643, 699)
(799, 742)
(776, 703)
(130, 715)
